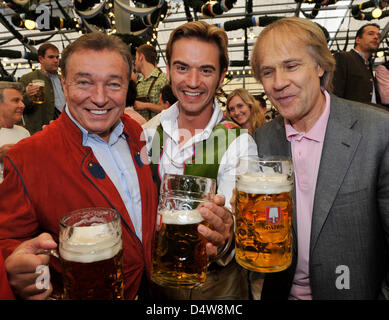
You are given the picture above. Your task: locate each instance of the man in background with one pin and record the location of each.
(353, 76)
(11, 112)
(38, 114)
(151, 83)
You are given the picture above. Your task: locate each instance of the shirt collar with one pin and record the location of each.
(49, 75)
(362, 56)
(170, 125)
(87, 136)
(154, 73)
(317, 132)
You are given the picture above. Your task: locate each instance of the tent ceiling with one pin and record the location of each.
(336, 18)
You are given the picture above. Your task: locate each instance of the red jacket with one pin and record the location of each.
(5, 290)
(51, 174)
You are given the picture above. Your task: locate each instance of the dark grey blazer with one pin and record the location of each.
(350, 221)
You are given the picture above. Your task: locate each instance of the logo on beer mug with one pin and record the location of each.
(273, 214)
(159, 221)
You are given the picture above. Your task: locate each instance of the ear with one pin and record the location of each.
(222, 76)
(64, 87)
(320, 70)
(357, 41)
(168, 73)
(141, 57)
(40, 58)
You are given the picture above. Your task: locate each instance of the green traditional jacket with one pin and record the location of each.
(37, 115)
(207, 153)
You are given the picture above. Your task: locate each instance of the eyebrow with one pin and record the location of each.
(187, 65)
(284, 62)
(87, 74)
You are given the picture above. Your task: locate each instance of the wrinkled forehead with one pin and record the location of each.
(279, 42)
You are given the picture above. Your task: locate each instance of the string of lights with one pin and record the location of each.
(318, 5)
(376, 13)
(210, 8)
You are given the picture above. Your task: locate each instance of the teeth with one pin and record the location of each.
(98, 111)
(192, 94)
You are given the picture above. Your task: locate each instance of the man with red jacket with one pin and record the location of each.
(91, 156)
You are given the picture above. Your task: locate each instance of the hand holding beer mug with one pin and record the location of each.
(263, 237)
(90, 248)
(179, 256)
(36, 91)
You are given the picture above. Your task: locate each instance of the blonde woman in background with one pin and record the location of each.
(243, 109)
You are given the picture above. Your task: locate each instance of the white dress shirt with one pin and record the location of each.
(173, 157)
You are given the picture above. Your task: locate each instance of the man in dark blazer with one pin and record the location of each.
(353, 76)
(341, 216)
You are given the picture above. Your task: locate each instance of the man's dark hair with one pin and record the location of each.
(149, 52)
(202, 31)
(44, 47)
(361, 29)
(97, 41)
(261, 100)
(131, 93)
(167, 94)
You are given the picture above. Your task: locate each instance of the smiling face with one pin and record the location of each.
(194, 74)
(96, 96)
(11, 108)
(291, 79)
(240, 111)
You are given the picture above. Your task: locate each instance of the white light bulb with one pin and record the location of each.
(376, 13)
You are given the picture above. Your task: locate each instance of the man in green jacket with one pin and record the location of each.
(38, 114)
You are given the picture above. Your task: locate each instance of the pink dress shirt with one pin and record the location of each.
(306, 154)
(382, 76)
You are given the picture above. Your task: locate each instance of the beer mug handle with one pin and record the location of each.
(51, 252)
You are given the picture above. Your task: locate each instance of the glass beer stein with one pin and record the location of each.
(263, 212)
(39, 97)
(90, 249)
(179, 258)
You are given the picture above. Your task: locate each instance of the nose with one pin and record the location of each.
(280, 80)
(233, 112)
(99, 96)
(193, 79)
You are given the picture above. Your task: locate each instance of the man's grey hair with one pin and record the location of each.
(10, 85)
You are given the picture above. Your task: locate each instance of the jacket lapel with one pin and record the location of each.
(340, 139)
(101, 181)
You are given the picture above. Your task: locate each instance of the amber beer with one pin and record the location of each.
(263, 222)
(39, 97)
(179, 258)
(91, 255)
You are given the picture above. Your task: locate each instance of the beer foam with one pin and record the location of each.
(181, 216)
(274, 183)
(90, 244)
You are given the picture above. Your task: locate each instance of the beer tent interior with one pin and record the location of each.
(25, 24)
